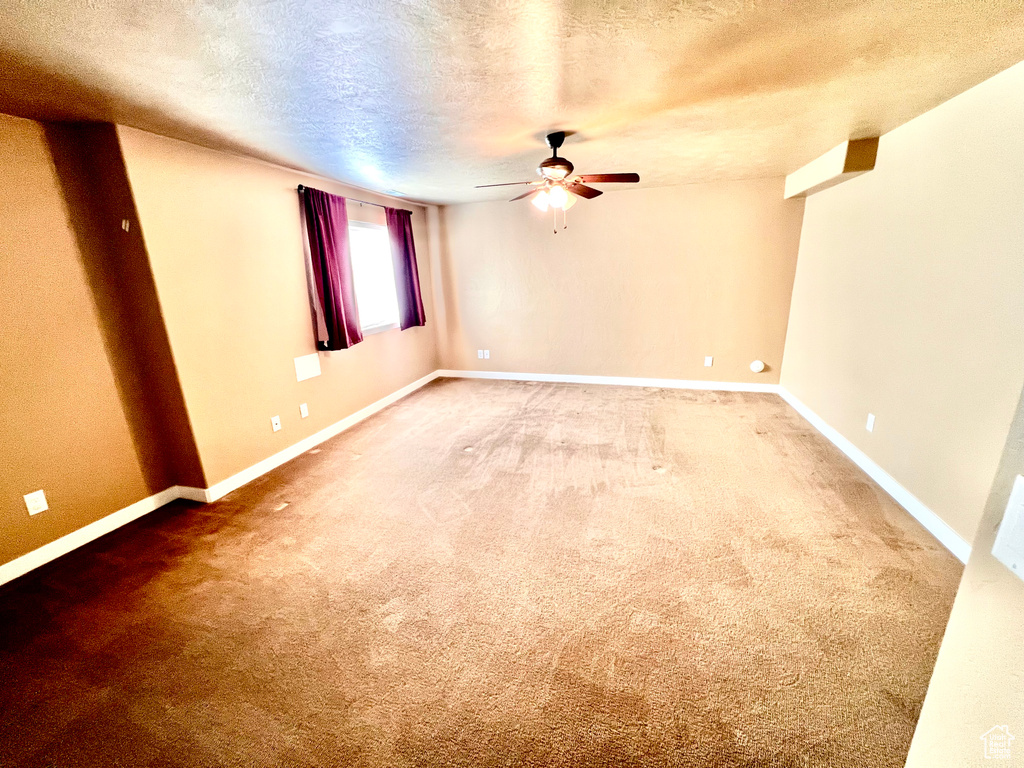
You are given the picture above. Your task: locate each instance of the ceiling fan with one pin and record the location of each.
(558, 187)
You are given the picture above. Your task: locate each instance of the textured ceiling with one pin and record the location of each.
(430, 97)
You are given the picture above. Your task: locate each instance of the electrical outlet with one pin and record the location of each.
(303, 410)
(36, 502)
(275, 422)
(480, 354)
(870, 426)
(487, 354)
(708, 361)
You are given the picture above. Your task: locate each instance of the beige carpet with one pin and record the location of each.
(497, 574)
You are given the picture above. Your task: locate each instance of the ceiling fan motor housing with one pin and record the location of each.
(555, 168)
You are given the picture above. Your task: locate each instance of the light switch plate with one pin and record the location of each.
(480, 354)
(487, 354)
(870, 426)
(36, 502)
(275, 422)
(1009, 546)
(303, 410)
(708, 361)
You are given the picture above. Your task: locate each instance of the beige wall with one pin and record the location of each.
(225, 244)
(979, 675)
(644, 282)
(64, 426)
(91, 358)
(909, 299)
(88, 160)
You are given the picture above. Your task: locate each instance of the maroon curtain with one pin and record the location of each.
(407, 276)
(333, 290)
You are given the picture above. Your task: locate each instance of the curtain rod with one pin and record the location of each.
(361, 202)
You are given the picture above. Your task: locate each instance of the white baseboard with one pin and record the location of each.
(225, 487)
(44, 554)
(621, 381)
(935, 525)
(84, 535)
(191, 493)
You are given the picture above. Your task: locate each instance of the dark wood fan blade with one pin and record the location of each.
(508, 184)
(525, 194)
(584, 191)
(607, 178)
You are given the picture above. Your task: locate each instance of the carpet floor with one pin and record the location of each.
(497, 573)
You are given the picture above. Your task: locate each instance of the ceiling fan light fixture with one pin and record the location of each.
(540, 200)
(558, 197)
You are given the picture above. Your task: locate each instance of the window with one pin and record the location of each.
(374, 276)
